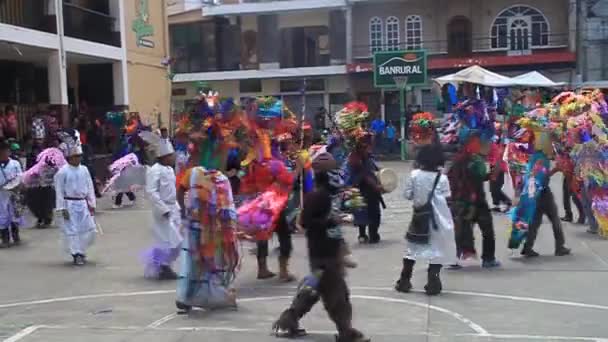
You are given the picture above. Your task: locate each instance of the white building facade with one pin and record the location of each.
(64, 44)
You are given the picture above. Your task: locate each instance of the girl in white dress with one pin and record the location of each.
(440, 248)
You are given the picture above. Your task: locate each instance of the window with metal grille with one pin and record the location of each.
(519, 28)
(413, 32)
(392, 33)
(376, 34)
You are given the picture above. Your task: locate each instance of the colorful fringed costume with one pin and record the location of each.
(210, 255)
(585, 116)
(534, 182)
(467, 176)
(536, 197)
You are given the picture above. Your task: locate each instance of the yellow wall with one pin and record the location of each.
(149, 87)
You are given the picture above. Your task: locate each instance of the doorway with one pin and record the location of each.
(460, 37)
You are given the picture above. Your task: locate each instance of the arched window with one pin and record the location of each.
(376, 34)
(392, 33)
(519, 28)
(413, 32)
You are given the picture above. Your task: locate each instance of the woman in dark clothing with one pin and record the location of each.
(362, 169)
(40, 199)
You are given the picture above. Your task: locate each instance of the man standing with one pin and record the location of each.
(160, 188)
(75, 199)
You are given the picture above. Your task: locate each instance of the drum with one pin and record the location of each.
(388, 179)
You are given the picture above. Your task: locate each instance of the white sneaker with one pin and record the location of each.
(116, 206)
(130, 204)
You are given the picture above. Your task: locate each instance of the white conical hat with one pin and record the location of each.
(161, 146)
(165, 147)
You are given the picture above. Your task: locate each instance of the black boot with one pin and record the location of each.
(15, 235)
(433, 286)
(166, 273)
(288, 325)
(79, 260)
(404, 283)
(182, 308)
(5, 236)
(353, 335)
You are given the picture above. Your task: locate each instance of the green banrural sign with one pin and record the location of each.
(410, 64)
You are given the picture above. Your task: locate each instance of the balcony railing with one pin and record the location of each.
(87, 24)
(27, 13)
(468, 47)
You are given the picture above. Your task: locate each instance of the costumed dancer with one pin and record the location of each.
(161, 190)
(361, 170)
(326, 282)
(498, 168)
(210, 255)
(431, 232)
(571, 187)
(76, 199)
(268, 179)
(10, 179)
(467, 176)
(39, 181)
(423, 132)
(586, 134)
(535, 198)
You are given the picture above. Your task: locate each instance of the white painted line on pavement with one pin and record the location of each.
(162, 321)
(496, 296)
(361, 288)
(597, 256)
(472, 325)
(83, 297)
(19, 336)
(549, 338)
(23, 333)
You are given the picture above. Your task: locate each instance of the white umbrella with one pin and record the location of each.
(535, 79)
(477, 75)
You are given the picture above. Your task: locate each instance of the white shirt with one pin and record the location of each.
(160, 187)
(10, 172)
(75, 182)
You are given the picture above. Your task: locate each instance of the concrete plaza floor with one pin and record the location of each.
(45, 299)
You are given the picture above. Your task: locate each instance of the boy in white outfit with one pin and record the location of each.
(161, 191)
(75, 196)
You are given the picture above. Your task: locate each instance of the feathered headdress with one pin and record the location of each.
(422, 126)
(350, 121)
(475, 121)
